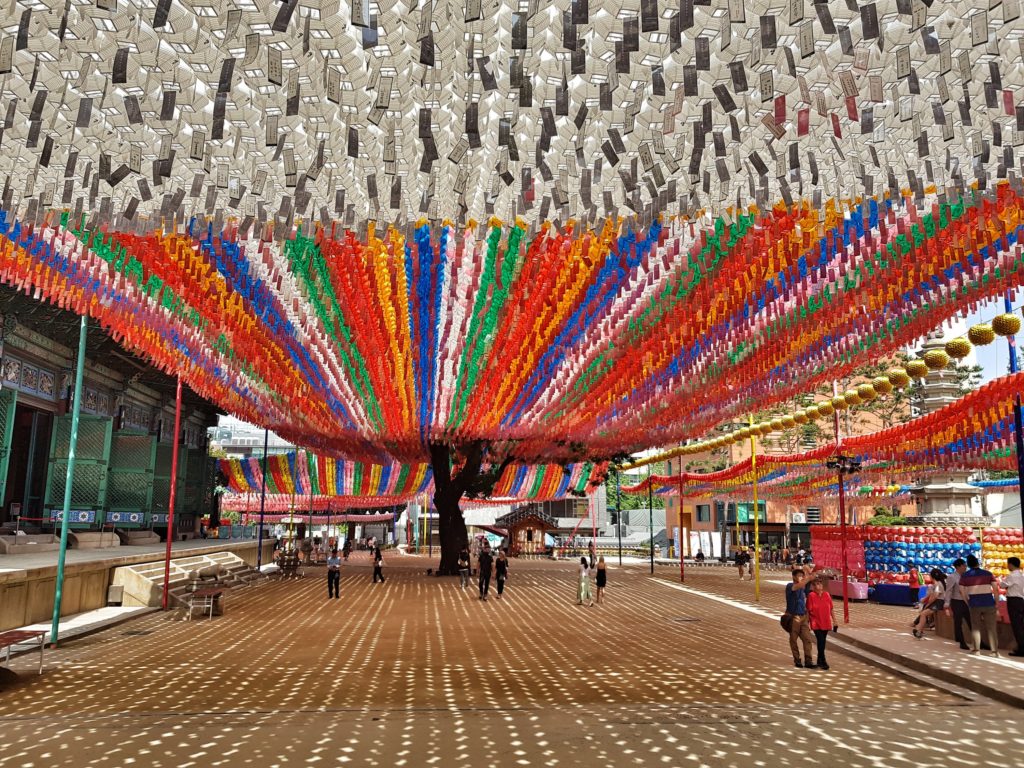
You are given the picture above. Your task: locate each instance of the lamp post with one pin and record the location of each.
(682, 532)
(1018, 432)
(844, 465)
(173, 496)
(76, 409)
(650, 514)
(618, 513)
(757, 516)
(263, 501)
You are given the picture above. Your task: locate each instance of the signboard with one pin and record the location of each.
(133, 518)
(75, 516)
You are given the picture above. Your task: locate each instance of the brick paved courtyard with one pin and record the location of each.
(418, 672)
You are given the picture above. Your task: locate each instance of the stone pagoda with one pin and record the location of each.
(946, 498)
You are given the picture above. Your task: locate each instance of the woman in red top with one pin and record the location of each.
(822, 618)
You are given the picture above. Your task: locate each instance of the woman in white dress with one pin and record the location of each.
(583, 592)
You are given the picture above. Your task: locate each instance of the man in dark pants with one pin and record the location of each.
(484, 564)
(333, 575)
(955, 605)
(1014, 586)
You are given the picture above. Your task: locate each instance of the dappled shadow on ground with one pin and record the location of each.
(419, 672)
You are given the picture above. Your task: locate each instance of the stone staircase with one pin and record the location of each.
(143, 583)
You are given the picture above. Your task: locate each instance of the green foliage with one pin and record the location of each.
(885, 520)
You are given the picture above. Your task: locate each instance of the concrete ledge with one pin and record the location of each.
(93, 539)
(28, 544)
(985, 675)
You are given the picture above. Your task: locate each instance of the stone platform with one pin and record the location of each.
(27, 580)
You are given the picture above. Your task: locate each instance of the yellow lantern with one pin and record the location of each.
(800, 417)
(1006, 324)
(866, 392)
(936, 359)
(812, 412)
(916, 369)
(851, 397)
(981, 334)
(788, 421)
(958, 349)
(898, 377)
(839, 403)
(882, 385)
(776, 425)
(825, 408)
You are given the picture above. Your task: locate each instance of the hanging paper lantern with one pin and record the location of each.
(1006, 324)
(866, 392)
(936, 359)
(851, 397)
(825, 408)
(776, 425)
(898, 377)
(981, 334)
(800, 417)
(916, 369)
(839, 403)
(882, 385)
(958, 349)
(788, 422)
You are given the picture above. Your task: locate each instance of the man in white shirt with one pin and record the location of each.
(1014, 586)
(955, 605)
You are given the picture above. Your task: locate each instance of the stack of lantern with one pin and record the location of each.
(889, 551)
(827, 548)
(999, 544)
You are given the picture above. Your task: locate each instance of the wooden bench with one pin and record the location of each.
(18, 636)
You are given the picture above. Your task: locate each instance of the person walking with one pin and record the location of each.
(333, 575)
(741, 561)
(484, 563)
(980, 589)
(464, 567)
(799, 629)
(821, 616)
(954, 605)
(378, 565)
(583, 594)
(501, 571)
(602, 578)
(1014, 586)
(933, 601)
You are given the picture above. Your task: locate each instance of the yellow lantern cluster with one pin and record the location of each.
(1007, 324)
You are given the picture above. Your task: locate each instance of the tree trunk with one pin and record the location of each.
(451, 530)
(448, 492)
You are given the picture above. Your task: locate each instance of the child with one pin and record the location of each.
(822, 618)
(914, 581)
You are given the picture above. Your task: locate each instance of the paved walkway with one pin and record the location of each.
(417, 672)
(881, 630)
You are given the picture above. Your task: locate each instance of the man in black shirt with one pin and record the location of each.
(484, 564)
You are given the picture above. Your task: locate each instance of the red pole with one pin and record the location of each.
(842, 517)
(174, 488)
(682, 532)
